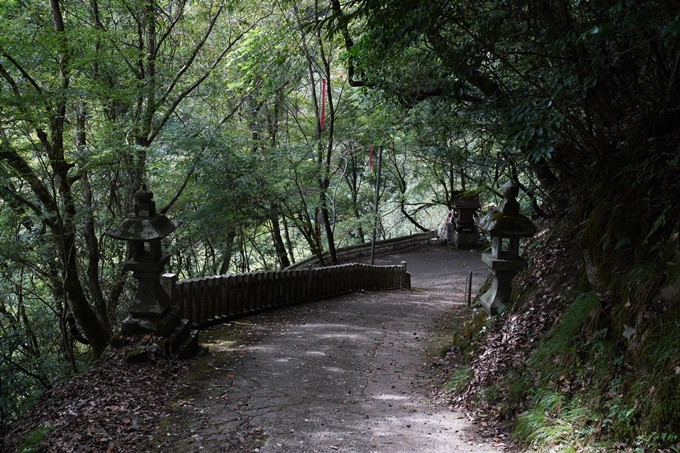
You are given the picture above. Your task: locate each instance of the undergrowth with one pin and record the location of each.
(607, 371)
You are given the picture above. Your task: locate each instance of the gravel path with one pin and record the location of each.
(349, 374)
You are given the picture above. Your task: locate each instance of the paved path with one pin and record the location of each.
(349, 374)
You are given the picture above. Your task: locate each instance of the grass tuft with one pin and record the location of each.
(459, 380)
(552, 420)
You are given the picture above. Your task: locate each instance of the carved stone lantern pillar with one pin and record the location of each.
(150, 310)
(506, 226)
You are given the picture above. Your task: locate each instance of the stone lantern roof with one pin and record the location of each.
(506, 221)
(497, 223)
(145, 225)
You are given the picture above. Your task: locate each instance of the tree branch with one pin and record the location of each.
(180, 97)
(167, 207)
(38, 378)
(193, 55)
(349, 43)
(23, 72)
(16, 162)
(165, 35)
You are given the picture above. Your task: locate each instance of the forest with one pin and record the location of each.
(258, 124)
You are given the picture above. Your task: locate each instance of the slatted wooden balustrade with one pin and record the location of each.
(210, 299)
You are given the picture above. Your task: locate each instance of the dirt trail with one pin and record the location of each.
(349, 374)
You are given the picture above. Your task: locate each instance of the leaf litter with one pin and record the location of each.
(113, 407)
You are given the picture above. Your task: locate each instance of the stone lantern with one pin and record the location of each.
(150, 311)
(506, 226)
(465, 233)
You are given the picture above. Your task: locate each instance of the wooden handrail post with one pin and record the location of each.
(201, 300)
(208, 295)
(230, 294)
(309, 284)
(194, 301)
(169, 284)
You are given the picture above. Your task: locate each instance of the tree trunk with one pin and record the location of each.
(288, 241)
(278, 242)
(85, 316)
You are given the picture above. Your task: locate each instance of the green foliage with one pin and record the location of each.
(586, 385)
(518, 386)
(532, 127)
(666, 412)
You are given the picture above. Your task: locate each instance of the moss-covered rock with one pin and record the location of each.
(475, 325)
(31, 443)
(665, 414)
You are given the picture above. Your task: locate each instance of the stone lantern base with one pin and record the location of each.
(503, 271)
(161, 326)
(176, 332)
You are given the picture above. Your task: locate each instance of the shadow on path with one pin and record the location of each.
(348, 374)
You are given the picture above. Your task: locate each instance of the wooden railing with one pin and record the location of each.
(353, 252)
(209, 300)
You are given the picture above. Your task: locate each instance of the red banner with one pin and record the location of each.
(323, 103)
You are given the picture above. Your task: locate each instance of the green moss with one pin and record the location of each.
(661, 350)
(658, 387)
(665, 415)
(612, 240)
(595, 228)
(601, 366)
(117, 341)
(622, 421)
(561, 346)
(484, 287)
(138, 354)
(475, 325)
(635, 290)
(31, 443)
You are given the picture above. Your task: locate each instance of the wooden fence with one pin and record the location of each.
(353, 252)
(208, 300)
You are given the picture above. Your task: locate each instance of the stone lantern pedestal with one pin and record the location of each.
(151, 299)
(151, 311)
(506, 226)
(503, 272)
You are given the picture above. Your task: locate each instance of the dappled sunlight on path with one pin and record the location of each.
(347, 374)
